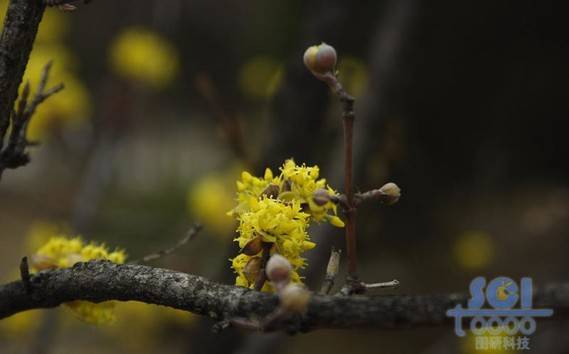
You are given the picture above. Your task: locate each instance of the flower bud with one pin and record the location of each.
(278, 269)
(272, 191)
(253, 247)
(252, 268)
(390, 193)
(294, 298)
(321, 197)
(320, 59)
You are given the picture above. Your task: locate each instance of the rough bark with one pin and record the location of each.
(20, 28)
(102, 281)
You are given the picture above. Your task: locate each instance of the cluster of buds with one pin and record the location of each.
(294, 298)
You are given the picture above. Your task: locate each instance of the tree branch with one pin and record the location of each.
(102, 281)
(14, 154)
(20, 28)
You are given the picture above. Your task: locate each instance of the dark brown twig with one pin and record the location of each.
(61, 3)
(25, 275)
(14, 154)
(192, 232)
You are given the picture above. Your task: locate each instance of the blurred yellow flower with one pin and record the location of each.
(139, 327)
(208, 199)
(63, 252)
(354, 75)
(260, 77)
(474, 250)
(145, 57)
(20, 324)
(69, 107)
(39, 234)
(53, 27)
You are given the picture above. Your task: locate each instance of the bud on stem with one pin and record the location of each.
(278, 270)
(320, 59)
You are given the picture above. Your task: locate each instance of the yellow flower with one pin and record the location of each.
(250, 189)
(206, 200)
(145, 57)
(63, 252)
(260, 77)
(283, 225)
(354, 74)
(300, 183)
(21, 325)
(277, 211)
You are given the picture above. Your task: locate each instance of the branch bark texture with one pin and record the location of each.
(102, 281)
(20, 28)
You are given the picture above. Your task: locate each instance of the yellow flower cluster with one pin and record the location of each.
(274, 214)
(300, 183)
(295, 183)
(62, 252)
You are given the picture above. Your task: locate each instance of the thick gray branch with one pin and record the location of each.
(101, 281)
(20, 28)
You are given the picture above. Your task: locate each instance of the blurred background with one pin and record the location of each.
(463, 104)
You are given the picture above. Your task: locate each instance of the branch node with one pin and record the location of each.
(25, 275)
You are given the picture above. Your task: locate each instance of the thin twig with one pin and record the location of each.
(14, 154)
(192, 232)
(386, 285)
(331, 271)
(62, 3)
(25, 274)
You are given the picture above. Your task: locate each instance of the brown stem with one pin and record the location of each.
(262, 277)
(348, 116)
(350, 211)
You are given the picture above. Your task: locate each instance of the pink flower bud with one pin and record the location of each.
(320, 59)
